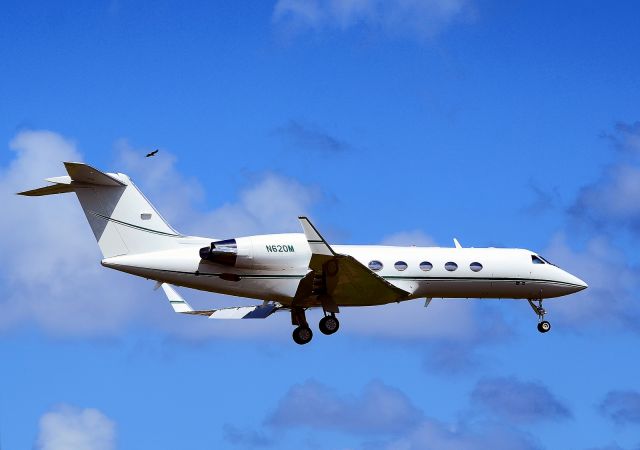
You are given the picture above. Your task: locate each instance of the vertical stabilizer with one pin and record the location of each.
(121, 218)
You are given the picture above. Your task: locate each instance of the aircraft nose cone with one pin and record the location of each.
(577, 282)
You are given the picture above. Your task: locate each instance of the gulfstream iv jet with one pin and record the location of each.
(295, 272)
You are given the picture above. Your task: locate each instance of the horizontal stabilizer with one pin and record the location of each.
(180, 305)
(48, 190)
(80, 175)
(84, 173)
(246, 312)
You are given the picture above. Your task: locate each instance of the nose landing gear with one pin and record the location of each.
(543, 325)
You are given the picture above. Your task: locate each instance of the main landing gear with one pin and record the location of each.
(329, 324)
(543, 325)
(302, 334)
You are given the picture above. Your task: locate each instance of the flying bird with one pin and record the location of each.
(153, 153)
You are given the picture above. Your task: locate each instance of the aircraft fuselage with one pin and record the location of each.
(270, 267)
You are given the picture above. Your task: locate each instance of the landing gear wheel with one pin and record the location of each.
(329, 324)
(302, 335)
(544, 326)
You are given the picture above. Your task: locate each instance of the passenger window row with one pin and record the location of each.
(425, 266)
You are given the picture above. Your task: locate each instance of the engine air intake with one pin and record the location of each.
(221, 252)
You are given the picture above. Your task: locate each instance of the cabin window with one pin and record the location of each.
(400, 265)
(536, 260)
(375, 265)
(451, 266)
(426, 266)
(475, 266)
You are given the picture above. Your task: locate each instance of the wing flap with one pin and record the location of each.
(347, 281)
(355, 284)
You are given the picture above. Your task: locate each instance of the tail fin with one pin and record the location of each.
(122, 219)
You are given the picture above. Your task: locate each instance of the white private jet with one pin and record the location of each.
(294, 272)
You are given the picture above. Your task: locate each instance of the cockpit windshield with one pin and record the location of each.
(537, 259)
(546, 260)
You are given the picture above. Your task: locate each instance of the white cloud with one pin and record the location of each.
(434, 434)
(613, 200)
(174, 194)
(626, 137)
(272, 205)
(517, 401)
(607, 206)
(455, 320)
(421, 18)
(413, 237)
(610, 300)
(381, 411)
(52, 277)
(50, 264)
(67, 427)
(51, 272)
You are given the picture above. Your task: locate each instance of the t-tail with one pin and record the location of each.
(122, 219)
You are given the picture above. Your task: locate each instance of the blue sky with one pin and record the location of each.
(408, 122)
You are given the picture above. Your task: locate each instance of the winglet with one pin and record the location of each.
(317, 243)
(178, 304)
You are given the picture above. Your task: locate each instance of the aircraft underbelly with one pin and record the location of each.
(469, 288)
(278, 287)
(489, 288)
(456, 288)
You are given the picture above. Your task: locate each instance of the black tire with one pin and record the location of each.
(544, 326)
(302, 335)
(329, 325)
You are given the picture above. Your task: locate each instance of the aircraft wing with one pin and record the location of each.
(180, 305)
(346, 280)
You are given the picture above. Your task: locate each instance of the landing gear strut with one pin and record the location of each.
(302, 334)
(543, 325)
(329, 324)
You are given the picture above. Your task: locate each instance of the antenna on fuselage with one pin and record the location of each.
(457, 244)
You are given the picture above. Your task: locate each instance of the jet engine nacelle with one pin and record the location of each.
(271, 251)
